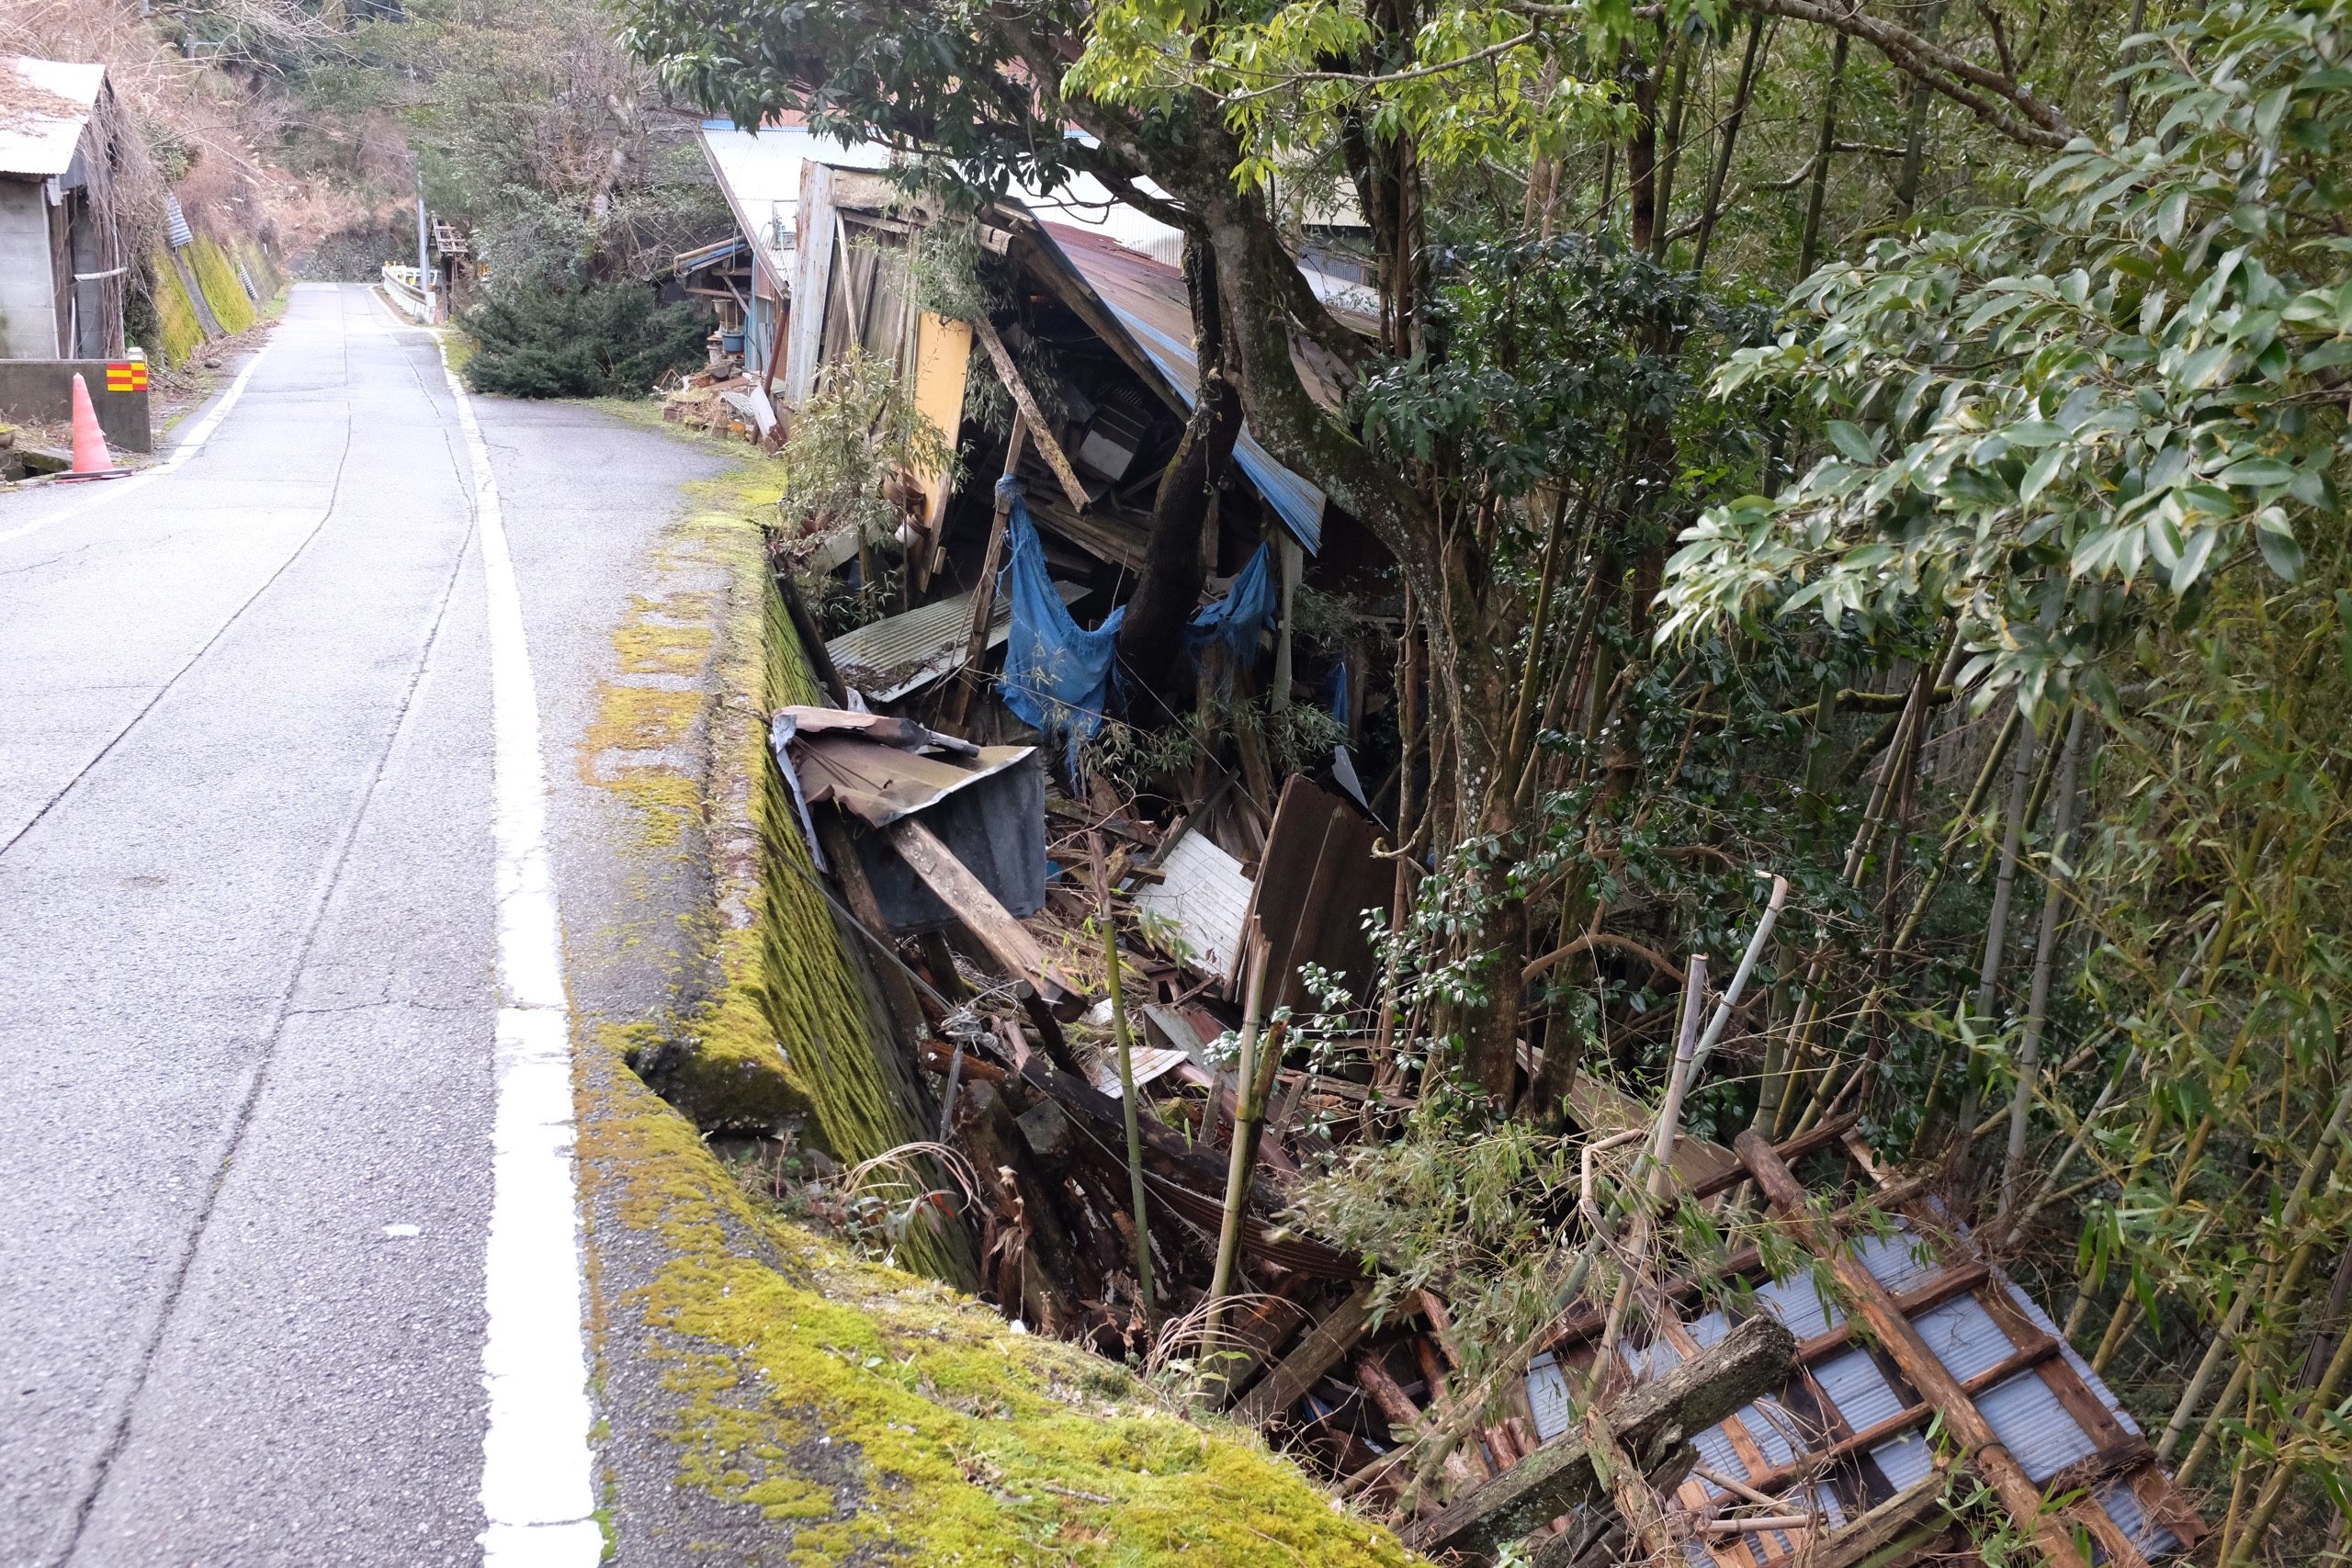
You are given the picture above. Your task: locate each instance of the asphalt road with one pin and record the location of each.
(251, 966)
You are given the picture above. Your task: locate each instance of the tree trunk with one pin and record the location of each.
(1715, 177)
(1809, 251)
(1640, 153)
(1175, 566)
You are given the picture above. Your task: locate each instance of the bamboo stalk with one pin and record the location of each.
(1127, 1097)
(1658, 1168)
(1996, 922)
(1249, 1115)
(2315, 1165)
(2274, 1486)
(2054, 903)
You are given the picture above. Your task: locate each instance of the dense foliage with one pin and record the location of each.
(559, 339)
(1989, 595)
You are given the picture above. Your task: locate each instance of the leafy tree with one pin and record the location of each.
(858, 429)
(2102, 437)
(549, 339)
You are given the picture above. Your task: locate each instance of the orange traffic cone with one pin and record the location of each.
(91, 458)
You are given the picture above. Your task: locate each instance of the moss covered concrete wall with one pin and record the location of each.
(218, 277)
(181, 335)
(875, 1418)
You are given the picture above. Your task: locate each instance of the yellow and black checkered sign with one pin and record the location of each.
(127, 376)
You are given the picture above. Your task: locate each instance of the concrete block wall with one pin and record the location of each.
(43, 389)
(28, 300)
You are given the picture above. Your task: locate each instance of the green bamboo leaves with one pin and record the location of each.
(2134, 380)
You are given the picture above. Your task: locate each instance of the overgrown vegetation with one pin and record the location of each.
(1893, 447)
(561, 338)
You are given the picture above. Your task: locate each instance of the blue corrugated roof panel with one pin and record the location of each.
(1297, 502)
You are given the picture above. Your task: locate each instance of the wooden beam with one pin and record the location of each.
(1039, 426)
(1653, 1424)
(976, 642)
(1881, 1527)
(991, 924)
(1317, 1353)
(1991, 1458)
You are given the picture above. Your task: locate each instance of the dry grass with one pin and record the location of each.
(199, 130)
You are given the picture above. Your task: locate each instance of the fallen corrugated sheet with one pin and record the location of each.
(986, 805)
(904, 653)
(1316, 879)
(1148, 1063)
(1200, 899)
(1848, 1434)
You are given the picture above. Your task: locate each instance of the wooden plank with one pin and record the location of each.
(976, 642)
(1652, 1424)
(1991, 1458)
(812, 267)
(991, 924)
(1881, 1527)
(943, 358)
(1039, 426)
(1321, 1350)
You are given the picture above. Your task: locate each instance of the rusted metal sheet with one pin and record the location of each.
(1317, 878)
(1148, 300)
(985, 805)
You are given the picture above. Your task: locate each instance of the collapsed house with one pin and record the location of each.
(61, 264)
(1823, 1414)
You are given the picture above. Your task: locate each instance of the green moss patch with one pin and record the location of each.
(181, 333)
(217, 276)
(874, 1417)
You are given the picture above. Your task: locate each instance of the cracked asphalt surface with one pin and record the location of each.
(247, 950)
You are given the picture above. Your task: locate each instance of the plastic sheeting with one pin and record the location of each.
(1236, 622)
(1058, 677)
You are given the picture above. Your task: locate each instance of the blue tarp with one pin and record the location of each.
(1237, 620)
(1058, 676)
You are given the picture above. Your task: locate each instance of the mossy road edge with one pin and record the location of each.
(854, 1413)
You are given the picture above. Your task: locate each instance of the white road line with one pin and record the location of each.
(538, 1478)
(107, 491)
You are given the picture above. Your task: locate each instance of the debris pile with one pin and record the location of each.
(721, 400)
(1140, 998)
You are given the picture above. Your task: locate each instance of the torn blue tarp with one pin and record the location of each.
(1335, 693)
(1058, 676)
(1236, 622)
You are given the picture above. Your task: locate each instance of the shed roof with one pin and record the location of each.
(1848, 1434)
(44, 104)
(1149, 297)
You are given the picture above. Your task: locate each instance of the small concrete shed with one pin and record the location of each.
(62, 263)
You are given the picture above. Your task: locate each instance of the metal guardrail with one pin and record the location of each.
(404, 286)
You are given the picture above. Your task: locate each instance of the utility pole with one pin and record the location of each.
(423, 259)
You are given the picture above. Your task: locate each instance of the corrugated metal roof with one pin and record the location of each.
(44, 104)
(1969, 1337)
(902, 653)
(1149, 297)
(759, 173)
